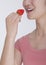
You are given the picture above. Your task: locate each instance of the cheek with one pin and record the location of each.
(39, 12)
(40, 3)
(40, 8)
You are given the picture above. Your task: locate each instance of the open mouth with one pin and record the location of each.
(29, 10)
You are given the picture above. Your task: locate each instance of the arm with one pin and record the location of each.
(8, 55)
(8, 52)
(18, 58)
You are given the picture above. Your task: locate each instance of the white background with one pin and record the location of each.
(26, 26)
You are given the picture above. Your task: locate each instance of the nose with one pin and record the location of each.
(26, 3)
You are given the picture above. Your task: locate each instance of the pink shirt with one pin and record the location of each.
(30, 56)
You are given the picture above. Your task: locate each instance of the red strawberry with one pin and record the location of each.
(20, 11)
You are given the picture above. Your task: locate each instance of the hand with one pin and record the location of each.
(12, 21)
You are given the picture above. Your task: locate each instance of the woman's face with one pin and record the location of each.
(34, 8)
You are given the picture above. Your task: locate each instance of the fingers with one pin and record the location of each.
(12, 17)
(12, 21)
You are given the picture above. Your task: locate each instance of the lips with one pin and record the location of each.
(29, 9)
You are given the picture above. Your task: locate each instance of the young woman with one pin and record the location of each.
(31, 48)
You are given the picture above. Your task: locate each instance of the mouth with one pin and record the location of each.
(29, 9)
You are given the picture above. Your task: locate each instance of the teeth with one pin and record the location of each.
(29, 9)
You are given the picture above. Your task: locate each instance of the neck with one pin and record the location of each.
(41, 26)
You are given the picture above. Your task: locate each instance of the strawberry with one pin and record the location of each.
(20, 11)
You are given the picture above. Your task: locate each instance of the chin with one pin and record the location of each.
(31, 17)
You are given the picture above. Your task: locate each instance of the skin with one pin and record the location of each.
(37, 37)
